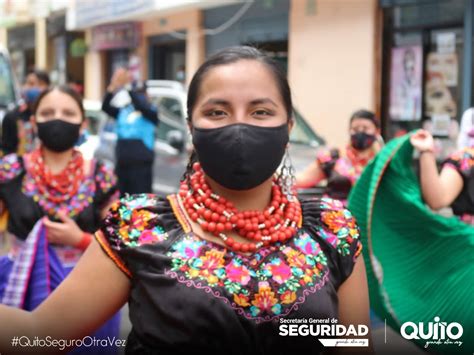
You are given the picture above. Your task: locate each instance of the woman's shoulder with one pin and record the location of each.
(335, 229)
(132, 222)
(135, 220)
(333, 223)
(461, 160)
(11, 166)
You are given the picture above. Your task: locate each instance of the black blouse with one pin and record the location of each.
(189, 294)
(26, 205)
(463, 162)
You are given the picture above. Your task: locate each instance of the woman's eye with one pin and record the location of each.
(215, 113)
(69, 113)
(45, 113)
(262, 113)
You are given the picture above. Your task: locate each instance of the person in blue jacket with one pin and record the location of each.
(136, 122)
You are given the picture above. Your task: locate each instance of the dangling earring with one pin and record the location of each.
(286, 178)
(189, 169)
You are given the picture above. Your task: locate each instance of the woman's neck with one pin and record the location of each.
(56, 161)
(256, 199)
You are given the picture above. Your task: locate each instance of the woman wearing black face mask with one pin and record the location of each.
(341, 171)
(55, 200)
(218, 266)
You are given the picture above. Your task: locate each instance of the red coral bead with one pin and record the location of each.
(211, 227)
(207, 215)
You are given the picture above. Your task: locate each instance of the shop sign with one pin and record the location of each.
(116, 36)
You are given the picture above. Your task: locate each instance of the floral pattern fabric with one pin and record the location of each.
(262, 286)
(104, 179)
(332, 162)
(133, 224)
(10, 168)
(462, 161)
(341, 165)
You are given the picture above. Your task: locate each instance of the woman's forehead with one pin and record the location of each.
(244, 79)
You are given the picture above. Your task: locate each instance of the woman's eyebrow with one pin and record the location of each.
(217, 102)
(264, 100)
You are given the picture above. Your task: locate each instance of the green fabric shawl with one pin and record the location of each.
(419, 264)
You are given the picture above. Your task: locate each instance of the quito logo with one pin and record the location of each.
(432, 331)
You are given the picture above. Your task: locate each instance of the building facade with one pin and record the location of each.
(410, 61)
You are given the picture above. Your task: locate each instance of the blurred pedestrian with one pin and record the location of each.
(55, 200)
(342, 170)
(136, 120)
(17, 129)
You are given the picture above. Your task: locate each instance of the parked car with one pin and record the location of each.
(173, 141)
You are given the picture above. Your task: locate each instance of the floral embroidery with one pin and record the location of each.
(264, 285)
(340, 228)
(132, 223)
(104, 179)
(349, 165)
(462, 160)
(10, 168)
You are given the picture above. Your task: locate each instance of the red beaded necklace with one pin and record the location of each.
(60, 187)
(277, 223)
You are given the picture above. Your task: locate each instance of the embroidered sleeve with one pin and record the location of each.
(130, 223)
(327, 159)
(106, 183)
(339, 229)
(462, 161)
(10, 167)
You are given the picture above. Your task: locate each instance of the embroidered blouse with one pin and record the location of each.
(340, 171)
(190, 294)
(26, 205)
(463, 162)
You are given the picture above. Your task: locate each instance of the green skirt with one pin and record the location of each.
(420, 265)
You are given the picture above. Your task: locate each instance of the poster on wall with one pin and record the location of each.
(446, 42)
(441, 83)
(405, 88)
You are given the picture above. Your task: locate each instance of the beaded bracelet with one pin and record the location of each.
(85, 241)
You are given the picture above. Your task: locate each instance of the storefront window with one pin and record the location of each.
(423, 64)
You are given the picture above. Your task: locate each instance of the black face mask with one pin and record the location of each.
(240, 156)
(362, 140)
(58, 135)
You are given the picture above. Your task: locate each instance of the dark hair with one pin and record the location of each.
(65, 90)
(234, 54)
(42, 76)
(367, 115)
